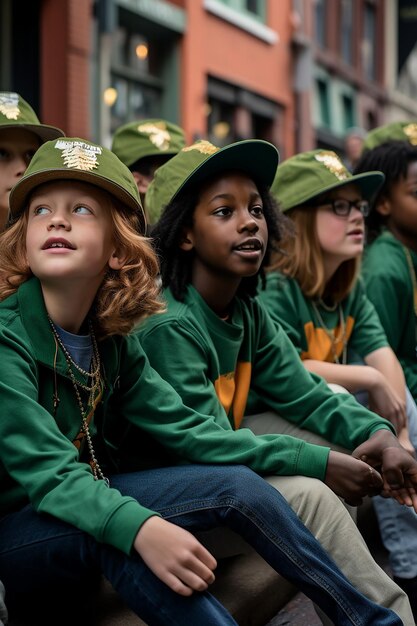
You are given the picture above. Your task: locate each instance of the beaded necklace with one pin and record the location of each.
(331, 334)
(94, 389)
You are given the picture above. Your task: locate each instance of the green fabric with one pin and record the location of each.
(15, 112)
(389, 286)
(197, 163)
(201, 349)
(71, 158)
(395, 131)
(39, 462)
(144, 138)
(305, 176)
(289, 307)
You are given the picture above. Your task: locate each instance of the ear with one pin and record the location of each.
(186, 242)
(117, 260)
(142, 182)
(384, 206)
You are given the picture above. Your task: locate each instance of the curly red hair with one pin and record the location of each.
(124, 298)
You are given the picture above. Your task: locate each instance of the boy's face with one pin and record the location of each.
(17, 147)
(69, 233)
(400, 208)
(229, 234)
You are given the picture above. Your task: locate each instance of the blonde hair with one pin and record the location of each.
(125, 296)
(303, 260)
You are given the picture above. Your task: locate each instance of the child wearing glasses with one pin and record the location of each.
(316, 296)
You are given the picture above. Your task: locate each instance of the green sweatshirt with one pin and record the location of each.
(288, 306)
(214, 363)
(389, 286)
(39, 462)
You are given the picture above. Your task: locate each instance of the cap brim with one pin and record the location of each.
(368, 182)
(45, 133)
(19, 194)
(256, 158)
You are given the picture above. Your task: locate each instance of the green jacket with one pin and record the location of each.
(389, 286)
(214, 364)
(289, 307)
(39, 462)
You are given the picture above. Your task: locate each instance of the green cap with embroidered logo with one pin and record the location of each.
(145, 138)
(17, 113)
(306, 176)
(196, 163)
(72, 158)
(395, 131)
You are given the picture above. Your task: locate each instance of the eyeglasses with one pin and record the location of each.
(342, 208)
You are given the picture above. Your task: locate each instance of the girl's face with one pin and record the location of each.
(400, 208)
(17, 147)
(340, 237)
(229, 234)
(69, 233)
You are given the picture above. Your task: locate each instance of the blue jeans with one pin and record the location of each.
(48, 566)
(397, 523)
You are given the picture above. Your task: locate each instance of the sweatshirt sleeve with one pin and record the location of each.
(37, 455)
(203, 434)
(283, 384)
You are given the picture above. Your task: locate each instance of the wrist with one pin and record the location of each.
(385, 439)
(374, 378)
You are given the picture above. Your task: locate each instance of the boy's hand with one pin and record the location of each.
(175, 556)
(351, 479)
(397, 466)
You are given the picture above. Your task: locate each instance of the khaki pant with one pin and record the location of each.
(326, 517)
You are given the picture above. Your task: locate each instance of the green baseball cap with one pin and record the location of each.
(145, 138)
(396, 131)
(17, 113)
(72, 158)
(307, 175)
(198, 162)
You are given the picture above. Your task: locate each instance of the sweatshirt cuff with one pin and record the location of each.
(312, 460)
(123, 526)
(382, 426)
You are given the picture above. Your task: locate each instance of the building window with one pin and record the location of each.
(346, 24)
(324, 103)
(348, 112)
(320, 22)
(253, 8)
(235, 113)
(370, 43)
(220, 123)
(136, 86)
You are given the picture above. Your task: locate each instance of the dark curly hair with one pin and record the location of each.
(393, 158)
(176, 264)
